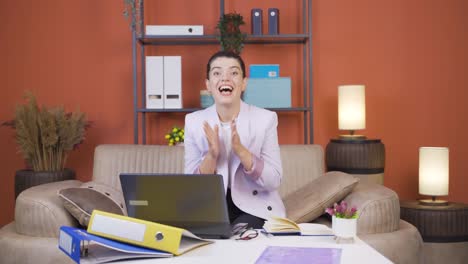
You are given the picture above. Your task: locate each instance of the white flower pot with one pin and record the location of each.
(344, 228)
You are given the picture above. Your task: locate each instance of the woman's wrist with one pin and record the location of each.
(208, 165)
(246, 159)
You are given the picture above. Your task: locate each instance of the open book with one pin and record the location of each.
(284, 226)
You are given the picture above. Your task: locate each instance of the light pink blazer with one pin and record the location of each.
(254, 192)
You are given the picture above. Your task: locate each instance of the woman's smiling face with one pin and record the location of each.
(226, 82)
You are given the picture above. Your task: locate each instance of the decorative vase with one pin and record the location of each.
(25, 179)
(344, 229)
(206, 99)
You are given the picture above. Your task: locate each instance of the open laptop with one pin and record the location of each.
(195, 202)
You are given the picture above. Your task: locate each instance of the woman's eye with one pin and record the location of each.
(215, 73)
(235, 73)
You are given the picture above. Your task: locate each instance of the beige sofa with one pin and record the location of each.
(32, 237)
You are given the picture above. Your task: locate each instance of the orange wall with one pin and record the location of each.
(410, 54)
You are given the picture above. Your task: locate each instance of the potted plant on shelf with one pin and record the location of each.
(230, 36)
(175, 137)
(344, 221)
(45, 137)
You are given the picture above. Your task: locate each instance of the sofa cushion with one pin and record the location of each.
(311, 200)
(81, 202)
(39, 212)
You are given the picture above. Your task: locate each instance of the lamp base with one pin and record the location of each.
(431, 202)
(352, 137)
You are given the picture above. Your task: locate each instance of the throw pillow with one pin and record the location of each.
(311, 200)
(80, 202)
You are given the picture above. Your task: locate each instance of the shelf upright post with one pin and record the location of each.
(304, 71)
(143, 75)
(311, 116)
(135, 82)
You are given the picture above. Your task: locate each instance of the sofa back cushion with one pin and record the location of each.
(301, 163)
(111, 160)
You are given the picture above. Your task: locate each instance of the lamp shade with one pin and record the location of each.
(433, 171)
(351, 107)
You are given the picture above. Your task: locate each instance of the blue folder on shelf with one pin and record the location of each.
(264, 70)
(84, 247)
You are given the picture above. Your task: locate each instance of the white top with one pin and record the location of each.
(226, 136)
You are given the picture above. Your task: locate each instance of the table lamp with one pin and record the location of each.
(433, 174)
(351, 110)
(355, 154)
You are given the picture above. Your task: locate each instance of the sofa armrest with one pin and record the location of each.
(378, 208)
(39, 211)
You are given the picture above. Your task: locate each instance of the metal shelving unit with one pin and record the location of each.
(304, 39)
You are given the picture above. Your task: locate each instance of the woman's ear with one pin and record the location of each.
(207, 84)
(244, 83)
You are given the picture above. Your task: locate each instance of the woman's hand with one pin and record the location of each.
(211, 135)
(243, 153)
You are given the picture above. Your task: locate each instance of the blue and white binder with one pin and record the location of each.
(273, 21)
(83, 247)
(256, 20)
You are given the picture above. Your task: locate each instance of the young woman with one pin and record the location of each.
(238, 141)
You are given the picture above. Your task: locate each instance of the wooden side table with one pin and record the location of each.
(364, 158)
(439, 224)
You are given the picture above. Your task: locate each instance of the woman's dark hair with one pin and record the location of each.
(225, 54)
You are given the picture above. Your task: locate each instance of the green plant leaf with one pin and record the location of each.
(230, 36)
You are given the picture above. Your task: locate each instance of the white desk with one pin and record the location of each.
(244, 252)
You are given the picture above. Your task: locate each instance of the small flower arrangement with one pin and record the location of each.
(176, 136)
(342, 210)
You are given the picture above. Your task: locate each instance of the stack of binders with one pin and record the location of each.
(112, 237)
(163, 82)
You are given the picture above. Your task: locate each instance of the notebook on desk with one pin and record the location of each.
(195, 202)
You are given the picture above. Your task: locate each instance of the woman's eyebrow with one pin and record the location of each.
(218, 67)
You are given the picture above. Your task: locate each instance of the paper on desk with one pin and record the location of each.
(299, 255)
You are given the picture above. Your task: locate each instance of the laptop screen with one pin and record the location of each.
(195, 202)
